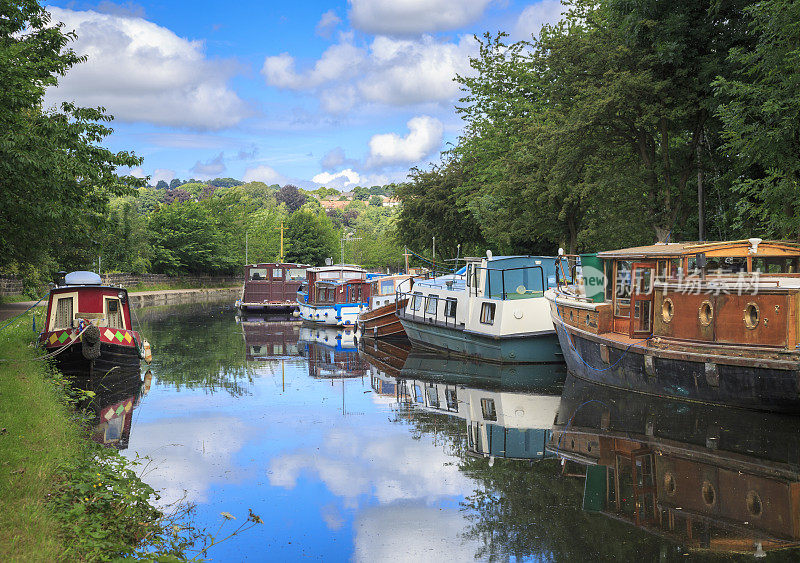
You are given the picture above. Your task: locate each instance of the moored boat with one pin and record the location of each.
(495, 311)
(713, 322)
(380, 320)
(88, 328)
(271, 287)
(334, 295)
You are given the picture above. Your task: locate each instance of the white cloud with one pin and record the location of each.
(390, 71)
(333, 158)
(533, 17)
(327, 23)
(338, 180)
(142, 72)
(414, 16)
(264, 174)
(424, 137)
(210, 169)
(162, 174)
(382, 534)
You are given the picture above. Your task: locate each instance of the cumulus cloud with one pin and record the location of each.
(265, 174)
(389, 71)
(395, 17)
(424, 137)
(327, 23)
(335, 158)
(142, 72)
(211, 168)
(338, 180)
(121, 9)
(162, 174)
(536, 15)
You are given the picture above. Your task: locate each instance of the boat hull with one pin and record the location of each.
(344, 315)
(643, 369)
(113, 358)
(539, 348)
(285, 307)
(382, 322)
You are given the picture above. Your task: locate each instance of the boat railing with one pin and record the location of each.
(507, 278)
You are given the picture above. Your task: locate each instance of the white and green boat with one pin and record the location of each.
(494, 310)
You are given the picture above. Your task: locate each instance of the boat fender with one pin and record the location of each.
(296, 314)
(148, 353)
(90, 343)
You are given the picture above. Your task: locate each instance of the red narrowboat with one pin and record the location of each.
(271, 287)
(88, 328)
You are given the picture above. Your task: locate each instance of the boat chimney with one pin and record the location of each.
(754, 242)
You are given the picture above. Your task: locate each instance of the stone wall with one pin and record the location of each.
(11, 286)
(180, 296)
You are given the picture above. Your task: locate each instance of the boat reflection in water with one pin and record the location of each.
(331, 352)
(712, 478)
(507, 410)
(116, 395)
(269, 337)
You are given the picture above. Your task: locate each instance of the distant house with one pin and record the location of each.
(327, 204)
(390, 201)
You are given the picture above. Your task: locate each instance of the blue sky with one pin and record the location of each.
(313, 93)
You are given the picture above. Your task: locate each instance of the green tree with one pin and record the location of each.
(375, 200)
(55, 177)
(360, 193)
(310, 238)
(291, 196)
(761, 117)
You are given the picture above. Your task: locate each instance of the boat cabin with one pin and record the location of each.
(84, 297)
(271, 284)
(322, 285)
(741, 292)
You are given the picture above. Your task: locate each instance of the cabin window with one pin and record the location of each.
(675, 269)
(352, 275)
(450, 305)
(488, 409)
(296, 273)
(258, 273)
(433, 397)
(451, 396)
(418, 396)
(431, 304)
(64, 308)
(277, 274)
(622, 303)
(775, 265)
(416, 301)
(608, 273)
(114, 314)
(387, 287)
(487, 313)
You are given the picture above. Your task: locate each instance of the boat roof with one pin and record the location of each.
(719, 248)
(263, 264)
(337, 267)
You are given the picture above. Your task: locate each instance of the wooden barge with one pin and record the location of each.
(711, 322)
(271, 287)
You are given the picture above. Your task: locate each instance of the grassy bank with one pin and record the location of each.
(37, 433)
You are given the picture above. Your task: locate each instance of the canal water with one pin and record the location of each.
(376, 452)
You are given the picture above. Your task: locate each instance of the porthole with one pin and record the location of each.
(754, 505)
(669, 483)
(667, 310)
(751, 316)
(706, 313)
(708, 492)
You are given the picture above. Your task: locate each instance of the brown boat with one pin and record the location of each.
(380, 320)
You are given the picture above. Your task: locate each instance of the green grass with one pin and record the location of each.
(166, 286)
(37, 433)
(18, 298)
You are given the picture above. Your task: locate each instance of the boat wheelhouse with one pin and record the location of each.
(271, 287)
(380, 320)
(710, 478)
(496, 311)
(715, 322)
(88, 328)
(334, 295)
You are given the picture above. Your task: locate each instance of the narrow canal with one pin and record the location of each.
(389, 454)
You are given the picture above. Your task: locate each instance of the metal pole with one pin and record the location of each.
(246, 246)
(281, 241)
(405, 253)
(700, 195)
(434, 257)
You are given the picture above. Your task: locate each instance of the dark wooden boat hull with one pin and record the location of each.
(268, 307)
(746, 383)
(382, 322)
(72, 363)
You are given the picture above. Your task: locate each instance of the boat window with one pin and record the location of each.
(387, 287)
(675, 267)
(450, 305)
(623, 284)
(608, 273)
(296, 273)
(277, 274)
(114, 314)
(775, 265)
(416, 301)
(487, 313)
(258, 273)
(433, 397)
(353, 275)
(64, 308)
(431, 304)
(488, 410)
(451, 396)
(418, 396)
(331, 275)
